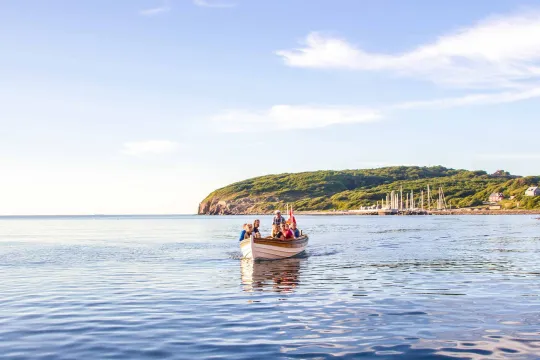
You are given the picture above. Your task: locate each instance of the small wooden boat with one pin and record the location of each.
(271, 248)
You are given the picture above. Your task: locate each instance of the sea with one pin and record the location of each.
(176, 287)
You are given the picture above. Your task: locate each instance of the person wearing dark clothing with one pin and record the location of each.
(278, 219)
(295, 230)
(275, 232)
(256, 232)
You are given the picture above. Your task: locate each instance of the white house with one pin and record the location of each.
(533, 191)
(496, 197)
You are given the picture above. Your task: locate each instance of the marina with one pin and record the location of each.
(399, 203)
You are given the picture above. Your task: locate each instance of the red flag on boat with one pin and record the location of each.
(292, 219)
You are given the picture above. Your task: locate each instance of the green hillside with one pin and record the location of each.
(351, 189)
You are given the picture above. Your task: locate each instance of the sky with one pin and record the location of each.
(146, 106)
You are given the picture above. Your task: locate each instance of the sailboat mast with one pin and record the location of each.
(407, 202)
(443, 198)
(428, 198)
(401, 195)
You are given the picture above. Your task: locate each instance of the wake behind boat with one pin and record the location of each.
(271, 249)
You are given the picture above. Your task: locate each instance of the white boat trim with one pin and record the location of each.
(270, 249)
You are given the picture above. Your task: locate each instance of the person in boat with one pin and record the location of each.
(295, 230)
(285, 233)
(247, 232)
(275, 231)
(278, 219)
(243, 232)
(256, 232)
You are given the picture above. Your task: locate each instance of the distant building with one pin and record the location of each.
(495, 207)
(533, 191)
(501, 173)
(496, 197)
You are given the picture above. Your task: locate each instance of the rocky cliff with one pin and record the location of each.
(215, 206)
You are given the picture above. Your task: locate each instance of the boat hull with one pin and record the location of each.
(271, 249)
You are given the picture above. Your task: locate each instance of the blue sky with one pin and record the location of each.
(145, 106)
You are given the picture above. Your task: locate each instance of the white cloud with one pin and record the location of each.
(473, 99)
(499, 55)
(149, 147)
(155, 11)
(285, 117)
(213, 4)
(501, 51)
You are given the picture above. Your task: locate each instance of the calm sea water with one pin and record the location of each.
(142, 287)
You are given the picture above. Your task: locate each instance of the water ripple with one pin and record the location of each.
(177, 288)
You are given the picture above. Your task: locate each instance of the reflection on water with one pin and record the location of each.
(369, 287)
(276, 275)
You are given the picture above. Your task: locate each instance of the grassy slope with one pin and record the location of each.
(350, 189)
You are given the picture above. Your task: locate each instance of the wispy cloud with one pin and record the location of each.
(156, 11)
(285, 117)
(469, 100)
(501, 52)
(149, 147)
(214, 4)
(499, 56)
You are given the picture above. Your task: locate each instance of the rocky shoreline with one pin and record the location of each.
(416, 213)
(248, 206)
(404, 213)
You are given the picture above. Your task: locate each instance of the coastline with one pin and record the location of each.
(380, 212)
(433, 212)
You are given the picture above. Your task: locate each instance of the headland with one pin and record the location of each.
(397, 190)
